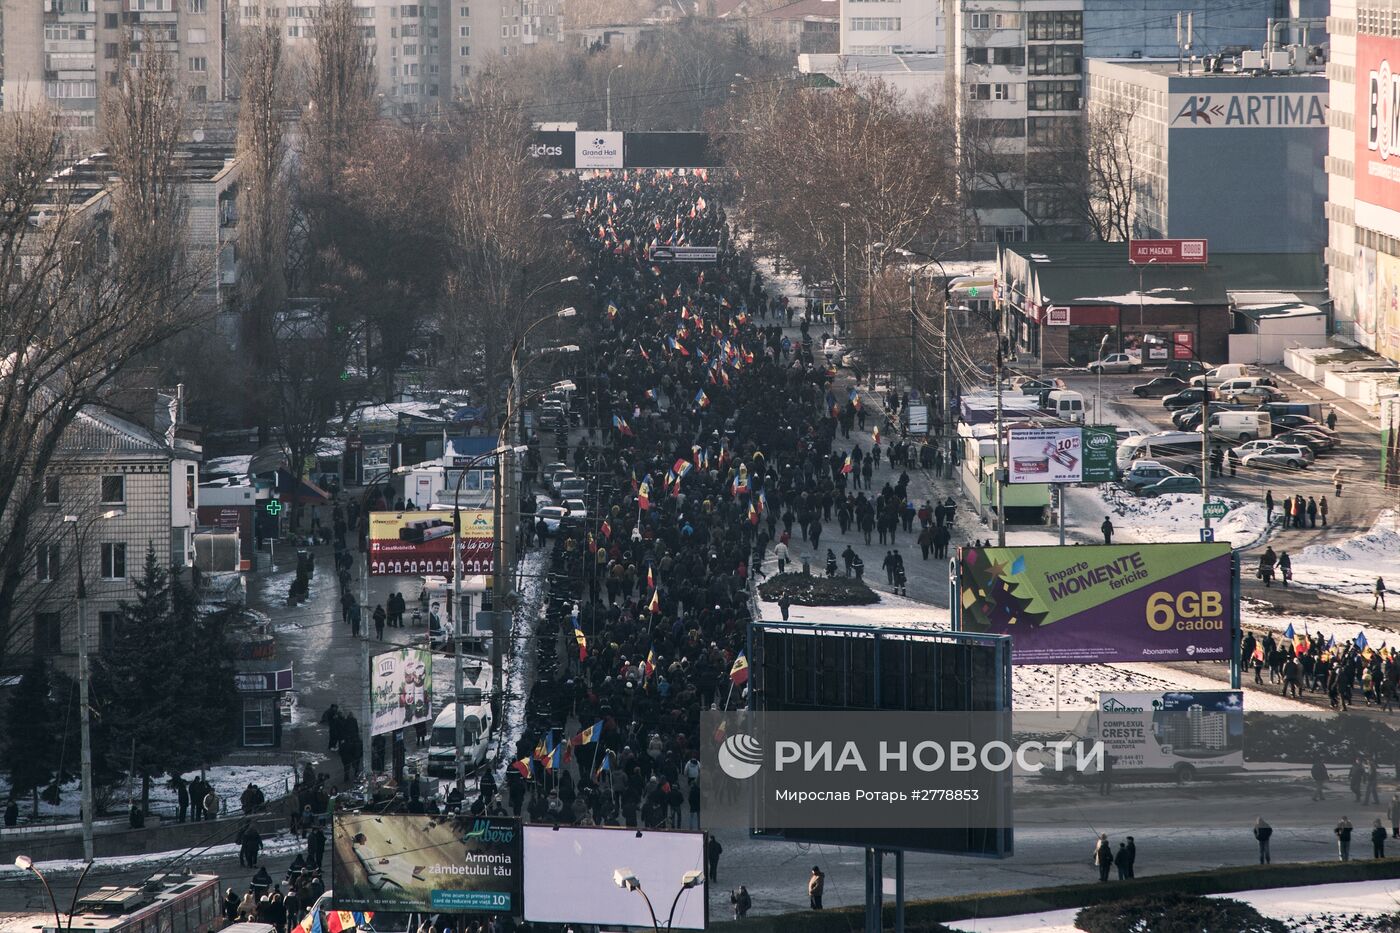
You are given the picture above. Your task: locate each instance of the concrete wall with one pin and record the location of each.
(1269, 347)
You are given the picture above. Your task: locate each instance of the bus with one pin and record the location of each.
(173, 902)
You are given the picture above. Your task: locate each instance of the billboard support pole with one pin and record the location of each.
(1235, 632)
(458, 676)
(1060, 496)
(898, 891)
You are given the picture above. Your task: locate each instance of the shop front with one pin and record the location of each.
(264, 696)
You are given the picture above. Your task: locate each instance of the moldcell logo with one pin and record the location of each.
(740, 756)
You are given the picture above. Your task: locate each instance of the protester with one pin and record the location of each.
(1263, 832)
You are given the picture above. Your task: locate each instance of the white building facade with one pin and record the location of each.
(892, 27)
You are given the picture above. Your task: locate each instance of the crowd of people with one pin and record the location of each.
(1299, 662)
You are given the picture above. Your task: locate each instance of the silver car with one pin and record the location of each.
(1115, 363)
(1286, 456)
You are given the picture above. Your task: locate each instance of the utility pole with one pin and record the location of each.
(1001, 446)
(609, 94)
(913, 335)
(84, 718)
(1205, 453)
(946, 417)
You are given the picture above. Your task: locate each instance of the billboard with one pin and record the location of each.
(405, 862)
(1387, 305)
(1363, 278)
(1168, 252)
(401, 689)
(419, 544)
(1088, 604)
(1061, 455)
(1378, 134)
(1165, 731)
(569, 876)
(595, 149)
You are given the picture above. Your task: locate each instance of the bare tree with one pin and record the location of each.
(85, 289)
(506, 246)
(1093, 171)
(263, 207)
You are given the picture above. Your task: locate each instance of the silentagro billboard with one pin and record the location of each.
(1378, 134)
(1061, 455)
(1169, 731)
(420, 543)
(401, 691)
(1096, 603)
(404, 862)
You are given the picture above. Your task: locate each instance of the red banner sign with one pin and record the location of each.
(1167, 252)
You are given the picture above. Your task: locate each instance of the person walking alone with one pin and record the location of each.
(1380, 595)
(1268, 508)
(1337, 481)
(1378, 840)
(816, 884)
(1263, 832)
(1107, 529)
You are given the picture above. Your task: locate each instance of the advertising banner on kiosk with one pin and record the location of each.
(401, 692)
(1089, 604)
(417, 544)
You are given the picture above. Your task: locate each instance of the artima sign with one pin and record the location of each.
(1243, 110)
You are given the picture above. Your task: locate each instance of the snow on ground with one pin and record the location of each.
(1164, 518)
(1349, 567)
(280, 844)
(1032, 685)
(229, 782)
(1301, 905)
(1256, 615)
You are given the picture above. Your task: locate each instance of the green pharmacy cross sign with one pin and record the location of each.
(1215, 509)
(273, 506)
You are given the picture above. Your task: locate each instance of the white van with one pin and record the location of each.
(1241, 425)
(1220, 373)
(1065, 404)
(476, 734)
(1180, 450)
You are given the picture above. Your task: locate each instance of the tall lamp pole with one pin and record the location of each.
(84, 675)
(609, 93)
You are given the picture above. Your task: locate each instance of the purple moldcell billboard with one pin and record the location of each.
(1099, 603)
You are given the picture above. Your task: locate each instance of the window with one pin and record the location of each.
(410, 30)
(505, 33)
(410, 49)
(989, 92)
(410, 9)
(1050, 131)
(113, 489)
(199, 93)
(1008, 129)
(464, 32)
(1053, 95)
(293, 32)
(980, 55)
(109, 20)
(53, 490)
(107, 623)
(71, 90)
(1055, 24)
(1056, 59)
(464, 11)
(197, 6)
(464, 51)
(259, 721)
(875, 23)
(994, 20)
(114, 561)
(198, 63)
(191, 482)
(48, 634)
(48, 561)
(197, 36)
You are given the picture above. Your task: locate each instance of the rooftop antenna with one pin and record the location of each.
(1183, 38)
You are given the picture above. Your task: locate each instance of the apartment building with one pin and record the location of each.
(1017, 72)
(892, 27)
(60, 52)
(117, 489)
(425, 53)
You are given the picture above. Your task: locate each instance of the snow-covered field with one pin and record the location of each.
(281, 844)
(1349, 568)
(229, 781)
(1313, 909)
(1165, 518)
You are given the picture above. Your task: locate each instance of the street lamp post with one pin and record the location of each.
(609, 93)
(25, 863)
(1098, 393)
(626, 879)
(84, 675)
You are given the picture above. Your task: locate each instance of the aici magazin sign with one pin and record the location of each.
(420, 543)
(1097, 603)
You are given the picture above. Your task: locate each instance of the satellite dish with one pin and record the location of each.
(197, 136)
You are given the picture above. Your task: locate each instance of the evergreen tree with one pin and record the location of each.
(137, 683)
(29, 752)
(212, 705)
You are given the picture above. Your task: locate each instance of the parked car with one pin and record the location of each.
(549, 469)
(1286, 456)
(1116, 363)
(1252, 447)
(1284, 423)
(1317, 443)
(1185, 397)
(573, 488)
(1221, 373)
(1124, 434)
(576, 508)
(1189, 418)
(1145, 473)
(1035, 387)
(1185, 369)
(1159, 387)
(558, 478)
(1181, 483)
(552, 516)
(1259, 394)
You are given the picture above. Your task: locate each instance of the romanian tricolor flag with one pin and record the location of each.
(649, 665)
(606, 529)
(702, 399)
(644, 494)
(651, 579)
(522, 767)
(621, 426)
(655, 605)
(681, 467)
(582, 644)
(604, 768)
(739, 673)
(753, 514)
(612, 310)
(847, 467)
